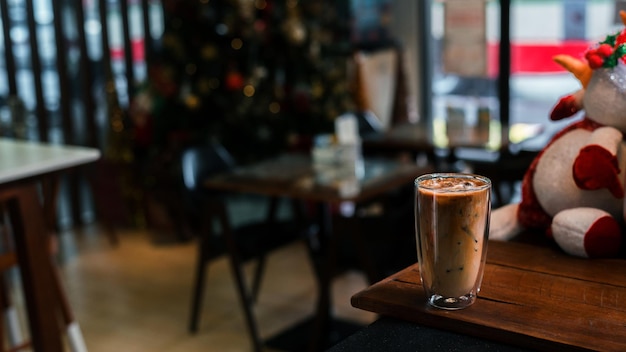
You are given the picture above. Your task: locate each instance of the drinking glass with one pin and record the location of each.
(452, 212)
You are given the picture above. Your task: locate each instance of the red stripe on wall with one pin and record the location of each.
(529, 58)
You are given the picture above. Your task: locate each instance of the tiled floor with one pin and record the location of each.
(136, 297)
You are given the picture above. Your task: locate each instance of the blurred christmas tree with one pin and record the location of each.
(259, 76)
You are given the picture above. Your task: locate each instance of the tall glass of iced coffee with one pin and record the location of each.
(452, 212)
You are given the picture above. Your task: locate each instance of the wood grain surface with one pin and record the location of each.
(531, 296)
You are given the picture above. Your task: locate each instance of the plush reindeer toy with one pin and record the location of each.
(574, 189)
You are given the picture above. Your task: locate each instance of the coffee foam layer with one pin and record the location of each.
(452, 184)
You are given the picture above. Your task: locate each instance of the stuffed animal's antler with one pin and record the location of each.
(579, 68)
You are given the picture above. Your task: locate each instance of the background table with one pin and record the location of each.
(502, 154)
(418, 138)
(295, 176)
(24, 166)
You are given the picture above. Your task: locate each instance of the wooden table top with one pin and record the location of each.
(295, 176)
(532, 296)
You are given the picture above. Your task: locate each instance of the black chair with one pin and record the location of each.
(253, 240)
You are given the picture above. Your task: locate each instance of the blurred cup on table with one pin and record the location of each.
(452, 212)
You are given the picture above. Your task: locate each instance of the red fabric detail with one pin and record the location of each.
(530, 214)
(603, 239)
(596, 168)
(566, 107)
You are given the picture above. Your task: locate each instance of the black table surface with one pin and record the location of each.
(390, 334)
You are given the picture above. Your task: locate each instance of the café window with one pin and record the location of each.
(463, 53)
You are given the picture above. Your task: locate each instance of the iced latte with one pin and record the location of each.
(452, 223)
